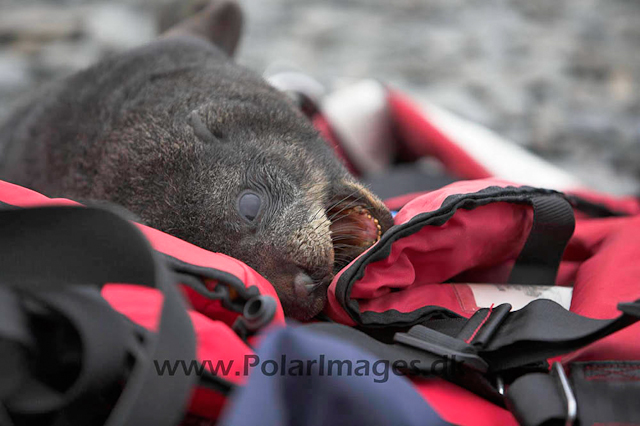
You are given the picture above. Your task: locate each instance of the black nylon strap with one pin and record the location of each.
(553, 226)
(606, 393)
(48, 249)
(537, 399)
(541, 330)
(14, 339)
(72, 245)
(98, 327)
(544, 329)
(511, 340)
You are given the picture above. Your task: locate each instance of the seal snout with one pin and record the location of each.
(304, 284)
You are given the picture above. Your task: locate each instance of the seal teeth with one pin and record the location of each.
(368, 243)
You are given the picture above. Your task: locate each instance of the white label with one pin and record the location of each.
(518, 296)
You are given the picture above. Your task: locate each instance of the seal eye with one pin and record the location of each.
(249, 205)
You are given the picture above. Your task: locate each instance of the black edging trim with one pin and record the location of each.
(215, 274)
(393, 317)
(593, 209)
(6, 206)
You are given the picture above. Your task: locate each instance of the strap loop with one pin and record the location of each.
(553, 226)
(48, 251)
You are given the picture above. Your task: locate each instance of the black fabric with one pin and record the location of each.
(537, 399)
(606, 393)
(592, 209)
(404, 179)
(483, 325)
(71, 245)
(97, 327)
(15, 337)
(618, 381)
(553, 226)
(541, 330)
(509, 344)
(544, 329)
(50, 255)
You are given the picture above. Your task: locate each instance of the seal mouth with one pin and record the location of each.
(353, 229)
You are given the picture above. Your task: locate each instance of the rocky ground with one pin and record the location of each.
(561, 77)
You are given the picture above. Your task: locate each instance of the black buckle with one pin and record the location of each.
(437, 343)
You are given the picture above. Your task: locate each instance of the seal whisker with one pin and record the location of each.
(340, 201)
(351, 204)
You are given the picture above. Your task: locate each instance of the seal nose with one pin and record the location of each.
(303, 284)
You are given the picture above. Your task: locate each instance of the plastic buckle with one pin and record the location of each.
(557, 371)
(437, 343)
(500, 385)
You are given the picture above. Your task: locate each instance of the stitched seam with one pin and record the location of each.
(480, 325)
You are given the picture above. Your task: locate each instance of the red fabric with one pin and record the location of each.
(421, 138)
(165, 243)
(478, 245)
(194, 255)
(23, 197)
(216, 342)
(609, 274)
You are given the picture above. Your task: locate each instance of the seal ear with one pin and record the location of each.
(219, 22)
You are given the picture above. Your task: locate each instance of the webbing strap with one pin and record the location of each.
(596, 393)
(544, 329)
(553, 226)
(72, 245)
(57, 253)
(502, 341)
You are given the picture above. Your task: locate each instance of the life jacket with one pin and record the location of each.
(410, 297)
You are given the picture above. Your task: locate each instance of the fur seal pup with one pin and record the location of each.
(203, 149)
